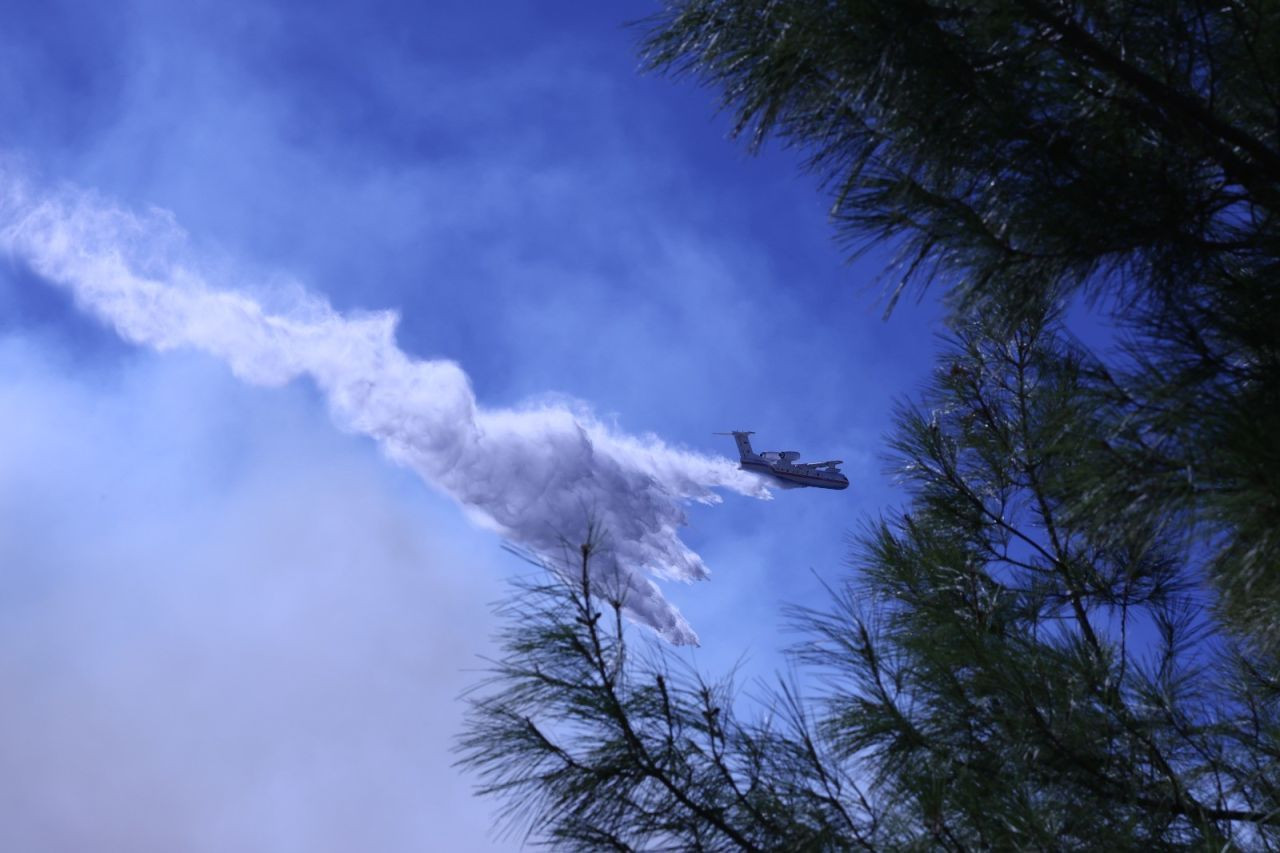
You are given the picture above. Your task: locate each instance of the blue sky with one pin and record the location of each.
(234, 625)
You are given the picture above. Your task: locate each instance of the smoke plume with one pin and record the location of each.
(534, 475)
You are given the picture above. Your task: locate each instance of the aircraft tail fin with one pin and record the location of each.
(744, 444)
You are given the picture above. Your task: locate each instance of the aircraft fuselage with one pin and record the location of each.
(783, 467)
(799, 475)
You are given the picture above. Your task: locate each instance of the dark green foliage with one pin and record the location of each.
(1022, 150)
(594, 748)
(1071, 637)
(1012, 667)
(1041, 672)
(1013, 141)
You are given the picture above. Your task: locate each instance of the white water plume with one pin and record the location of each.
(534, 475)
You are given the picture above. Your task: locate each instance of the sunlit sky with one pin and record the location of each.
(226, 624)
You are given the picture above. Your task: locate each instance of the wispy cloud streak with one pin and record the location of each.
(533, 474)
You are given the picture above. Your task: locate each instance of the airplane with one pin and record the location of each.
(783, 466)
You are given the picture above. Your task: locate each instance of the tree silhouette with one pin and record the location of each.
(1070, 638)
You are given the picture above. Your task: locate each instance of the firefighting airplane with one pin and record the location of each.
(783, 466)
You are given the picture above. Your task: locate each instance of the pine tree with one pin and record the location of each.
(1017, 150)
(593, 744)
(1071, 636)
(1010, 667)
